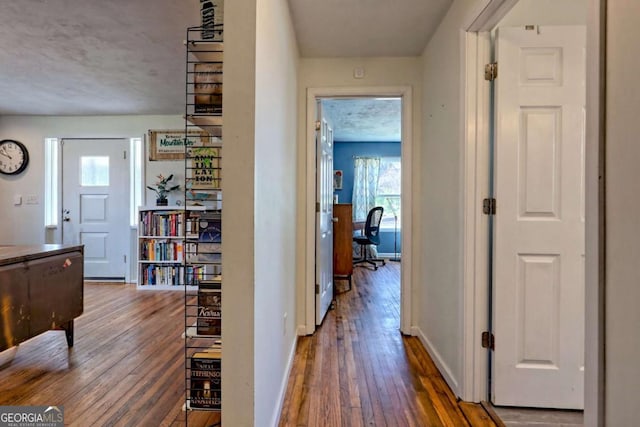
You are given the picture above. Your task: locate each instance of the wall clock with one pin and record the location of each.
(14, 157)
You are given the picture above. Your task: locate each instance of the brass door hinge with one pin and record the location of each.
(488, 340)
(317, 289)
(489, 206)
(491, 71)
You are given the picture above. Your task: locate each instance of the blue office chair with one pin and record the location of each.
(371, 237)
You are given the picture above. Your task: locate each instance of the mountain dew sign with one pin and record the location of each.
(171, 144)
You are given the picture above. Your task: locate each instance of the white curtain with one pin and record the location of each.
(365, 185)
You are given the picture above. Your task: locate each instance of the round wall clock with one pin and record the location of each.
(14, 157)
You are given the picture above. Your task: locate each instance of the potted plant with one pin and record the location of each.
(162, 189)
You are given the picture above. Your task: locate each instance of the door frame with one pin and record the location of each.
(54, 233)
(475, 50)
(405, 94)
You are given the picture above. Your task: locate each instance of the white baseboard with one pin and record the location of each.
(437, 359)
(301, 331)
(386, 255)
(275, 419)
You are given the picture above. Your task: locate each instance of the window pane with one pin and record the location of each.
(94, 171)
(389, 178)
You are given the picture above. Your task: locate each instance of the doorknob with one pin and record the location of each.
(66, 219)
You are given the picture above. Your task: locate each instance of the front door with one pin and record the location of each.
(95, 204)
(538, 287)
(324, 215)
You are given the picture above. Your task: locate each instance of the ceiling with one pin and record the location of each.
(364, 119)
(118, 57)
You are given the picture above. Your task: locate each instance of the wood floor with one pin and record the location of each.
(358, 370)
(125, 369)
(127, 365)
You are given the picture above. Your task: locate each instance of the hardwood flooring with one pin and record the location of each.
(358, 370)
(125, 369)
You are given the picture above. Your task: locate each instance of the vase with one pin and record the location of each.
(162, 202)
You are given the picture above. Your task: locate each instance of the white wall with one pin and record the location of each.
(546, 12)
(275, 206)
(24, 224)
(338, 72)
(441, 263)
(622, 339)
(238, 182)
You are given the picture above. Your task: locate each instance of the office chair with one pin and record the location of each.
(371, 237)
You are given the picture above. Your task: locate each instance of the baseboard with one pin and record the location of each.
(391, 255)
(437, 359)
(301, 330)
(283, 387)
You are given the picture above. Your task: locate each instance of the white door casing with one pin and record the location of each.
(538, 286)
(95, 204)
(324, 216)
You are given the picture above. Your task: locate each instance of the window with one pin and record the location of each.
(389, 191)
(51, 150)
(94, 171)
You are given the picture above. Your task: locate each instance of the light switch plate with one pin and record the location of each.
(17, 200)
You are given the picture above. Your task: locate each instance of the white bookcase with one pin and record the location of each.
(163, 248)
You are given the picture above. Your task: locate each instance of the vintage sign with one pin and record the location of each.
(170, 144)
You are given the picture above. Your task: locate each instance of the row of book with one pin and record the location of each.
(174, 275)
(161, 250)
(161, 223)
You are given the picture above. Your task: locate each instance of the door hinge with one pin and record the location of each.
(489, 206)
(124, 155)
(491, 71)
(317, 289)
(488, 340)
(125, 258)
(317, 206)
(317, 124)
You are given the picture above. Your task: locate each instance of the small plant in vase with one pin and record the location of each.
(162, 189)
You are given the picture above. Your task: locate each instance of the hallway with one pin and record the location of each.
(357, 369)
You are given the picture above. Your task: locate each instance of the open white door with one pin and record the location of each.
(95, 204)
(538, 286)
(324, 215)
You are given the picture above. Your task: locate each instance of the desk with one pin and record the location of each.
(342, 242)
(41, 288)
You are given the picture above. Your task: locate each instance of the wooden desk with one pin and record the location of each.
(342, 238)
(41, 288)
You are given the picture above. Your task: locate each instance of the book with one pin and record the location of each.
(209, 321)
(206, 376)
(208, 88)
(203, 169)
(210, 228)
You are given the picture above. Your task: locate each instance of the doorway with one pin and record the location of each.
(95, 204)
(404, 95)
(478, 48)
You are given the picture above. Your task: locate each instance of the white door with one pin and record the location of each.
(324, 216)
(95, 203)
(539, 224)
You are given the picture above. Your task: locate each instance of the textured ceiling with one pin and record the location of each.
(93, 57)
(364, 119)
(119, 57)
(359, 28)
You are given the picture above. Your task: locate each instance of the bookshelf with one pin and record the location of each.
(164, 246)
(203, 221)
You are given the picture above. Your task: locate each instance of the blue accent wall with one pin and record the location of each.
(343, 154)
